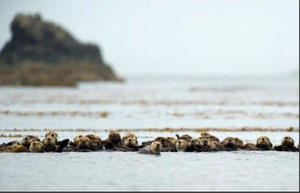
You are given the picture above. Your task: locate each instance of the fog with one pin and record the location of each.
(249, 37)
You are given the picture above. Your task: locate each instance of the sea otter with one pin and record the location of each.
(84, 143)
(181, 145)
(251, 147)
(52, 134)
(185, 137)
(36, 146)
(216, 146)
(287, 144)
(77, 138)
(209, 136)
(264, 143)
(11, 143)
(5, 146)
(153, 148)
(15, 148)
(166, 145)
(204, 144)
(239, 143)
(229, 144)
(52, 145)
(114, 137)
(172, 141)
(28, 139)
(128, 143)
(113, 140)
(193, 145)
(95, 142)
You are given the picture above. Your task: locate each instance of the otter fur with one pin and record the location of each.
(204, 144)
(113, 140)
(251, 147)
(209, 136)
(287, 144)
(263, 143)
(153, 148)
(193, 145)
(172, 140)
(185, 137)
(216, 146)
(83, 143)
(229, 144)
(36, 146)
(95, 142)
(52, 145)
(165, 143)
(181, 145)
(28, 139)
(129, 143)
(16, 148)
(12, 143)
(52, 134)
(239, 143)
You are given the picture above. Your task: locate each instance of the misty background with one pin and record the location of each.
(206, 37)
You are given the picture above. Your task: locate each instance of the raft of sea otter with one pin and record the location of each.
(185, 143)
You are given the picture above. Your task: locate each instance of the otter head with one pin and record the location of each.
(194, 143)
(288, 141)
(95, 141)
(172, 140)
(131, 135)
(239, 143)
(93, 137)
(209, 136)
(155, 147)
(130, 142)
(186, 137)
(263, 142)
(77, 138)
(204, 141)
(114, 137)
(49, 141)
(83, 143)
(181, 145)
(204, 134)
(27, 140)
(36, 146)
(229, 142)
(164, 142)
(52, 134)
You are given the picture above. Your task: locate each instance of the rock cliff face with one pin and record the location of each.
(43, 53)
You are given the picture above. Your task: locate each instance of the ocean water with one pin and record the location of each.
(132, 171)
(244, 107)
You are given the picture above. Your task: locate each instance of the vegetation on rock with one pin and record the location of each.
(43, 53)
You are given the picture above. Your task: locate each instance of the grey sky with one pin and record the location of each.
(177, 36)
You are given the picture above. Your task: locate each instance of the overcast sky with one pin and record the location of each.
(177, 36)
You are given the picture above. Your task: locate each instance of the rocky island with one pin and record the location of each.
(43, 53)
